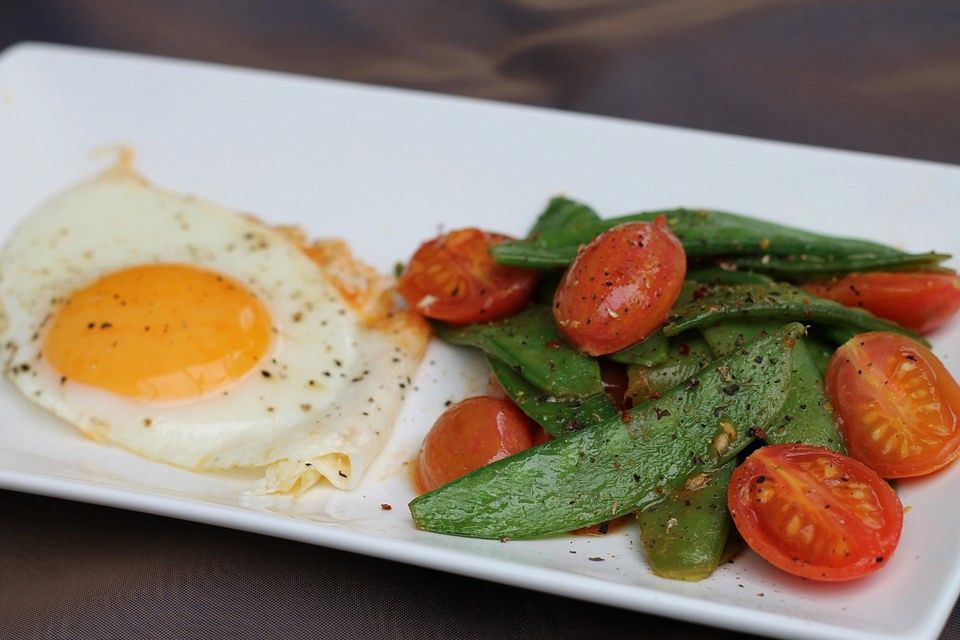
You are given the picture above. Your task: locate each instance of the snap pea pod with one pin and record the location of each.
(781, 302)
(558, 416)
(686, 354)
(529, 342)
(716, 275)
(619, 466)
(650, 352)
(807, 416)
(563, 214)
(684, 536)
(705, 234)
(801, 266)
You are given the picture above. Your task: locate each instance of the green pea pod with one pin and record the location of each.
(684, 536)
(716, 275)
(529, 343)
(563, 214)
(712, 234)
(559, 416)
(650, 352)
(623, 464)
(686, 354)
(780, 302)
(807, 415)
(802, 266)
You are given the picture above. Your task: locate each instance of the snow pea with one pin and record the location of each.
(711, 234)
(529, 342)
(807, 415)
(686, 354)
(779, 301)
(562, 214)
(623, 464)
(557, 415)
(684, 536)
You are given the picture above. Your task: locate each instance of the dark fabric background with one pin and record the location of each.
(871, 75)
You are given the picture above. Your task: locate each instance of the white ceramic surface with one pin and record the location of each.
(384, 169)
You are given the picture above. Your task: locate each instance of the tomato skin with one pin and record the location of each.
(620, 287)
(815, 513)
(918, 301)
(469, 435)
(898, 406)
(453, 278)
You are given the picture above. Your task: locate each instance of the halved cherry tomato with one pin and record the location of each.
(897, 404)
(815, 513)
(620, 287)
(453, 278)
(918, 301)
(469, 435)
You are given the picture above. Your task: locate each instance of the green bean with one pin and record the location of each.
(619, 466)
(684, 536)
(558, 416)
(529, 343)
(780, 302)
(821, 351)
(716, 275)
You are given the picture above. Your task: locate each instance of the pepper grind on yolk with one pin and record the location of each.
(158, 332)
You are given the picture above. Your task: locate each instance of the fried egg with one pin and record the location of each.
(199, 337)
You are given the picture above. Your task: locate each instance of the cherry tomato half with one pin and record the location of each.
(453, 278)
(897, 404)
(469, 435)
(815, 513)
(620, 287)
(918, 301)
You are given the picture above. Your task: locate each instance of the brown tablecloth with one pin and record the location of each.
(871, 75)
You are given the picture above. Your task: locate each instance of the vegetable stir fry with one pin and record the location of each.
(718, 376)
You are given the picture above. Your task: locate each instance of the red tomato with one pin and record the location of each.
(620, 287)
(815, 513)
(897, 404)
(453, 278)
(469, 435)
(918, 301)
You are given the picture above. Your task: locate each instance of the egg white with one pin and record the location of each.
(320, 403)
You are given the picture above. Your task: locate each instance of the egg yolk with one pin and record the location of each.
(158, 332)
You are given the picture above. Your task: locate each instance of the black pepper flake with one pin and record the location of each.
(342, 474)
(265, 373)
(595, 559)
(105, 325)
(386, 507)
(147, 422)
(731, 389)
(761, 479)
(662, 412)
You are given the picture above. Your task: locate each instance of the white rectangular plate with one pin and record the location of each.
(384, 169)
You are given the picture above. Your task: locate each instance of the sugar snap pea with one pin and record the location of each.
(562, 214)
(778, 301)
(558, 415)
(686, 354)
(807, 415)
(684, 536)
(529, 342)
(711, 234)
(802, 266)
(621, 465)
